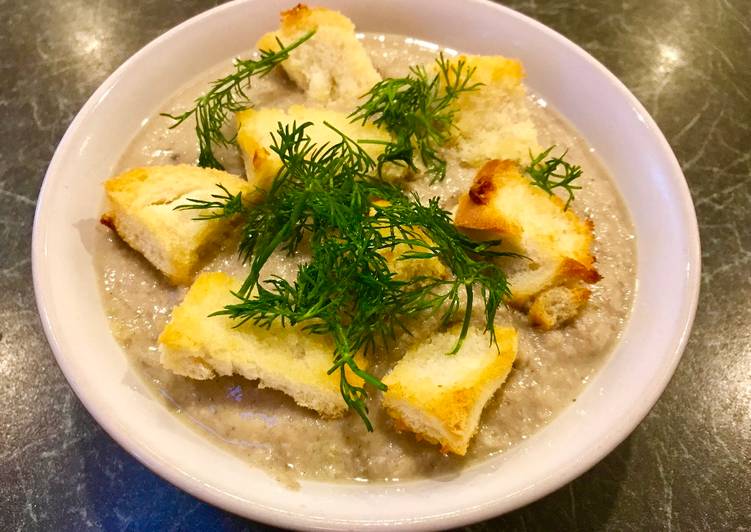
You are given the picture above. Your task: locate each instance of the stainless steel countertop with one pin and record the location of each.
(686, 467)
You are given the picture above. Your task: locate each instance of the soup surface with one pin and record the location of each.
(265, 426)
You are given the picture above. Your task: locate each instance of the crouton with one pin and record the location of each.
(493, 121)
(255, 126)
(503, 204)
(142, 205)
(556, 306)
(440, 397)
(283, 358)
(331, 66)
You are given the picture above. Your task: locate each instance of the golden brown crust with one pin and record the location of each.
(503, 204)
(476, 211)
(281, 358)
(107, 220)
(303, 18)
(294, 15)
(572, 269)
(557, 306)
(484, 184)
(440, 397)
(142, 211)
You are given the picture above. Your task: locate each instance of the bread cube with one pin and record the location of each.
(493, 121)
(440, 397)
(255, 127)
(282, 358)
(142, 205)
(503, 204)
(556, 306)
(332, 66)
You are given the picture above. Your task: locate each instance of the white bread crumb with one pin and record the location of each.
(493, 122)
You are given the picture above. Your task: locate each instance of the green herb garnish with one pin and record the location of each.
(546, 175)
(227, 95)
(328, 197)
(224, 205)
(417, 111)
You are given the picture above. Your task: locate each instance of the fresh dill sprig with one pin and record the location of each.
(417, 111)
(429, 232)
(546, 175)
(227, 95)
(224, 205)
(327, 196)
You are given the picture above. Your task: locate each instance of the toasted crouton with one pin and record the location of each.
(493, 121)
(285, 359)
(555, 306)
(440, 397)
(255, 127)
(142, 211)
(333, 65)
(503, 204)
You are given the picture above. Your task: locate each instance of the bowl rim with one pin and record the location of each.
(157, 463)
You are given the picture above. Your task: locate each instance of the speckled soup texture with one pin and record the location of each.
(265, 426)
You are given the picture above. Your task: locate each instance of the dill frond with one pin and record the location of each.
(546, 175)
(228, 95)
(417, 111)
(224, 205)
(329, 196)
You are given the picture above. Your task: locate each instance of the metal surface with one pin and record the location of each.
(687, 466)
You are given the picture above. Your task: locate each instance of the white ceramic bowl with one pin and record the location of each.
(620, 395)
